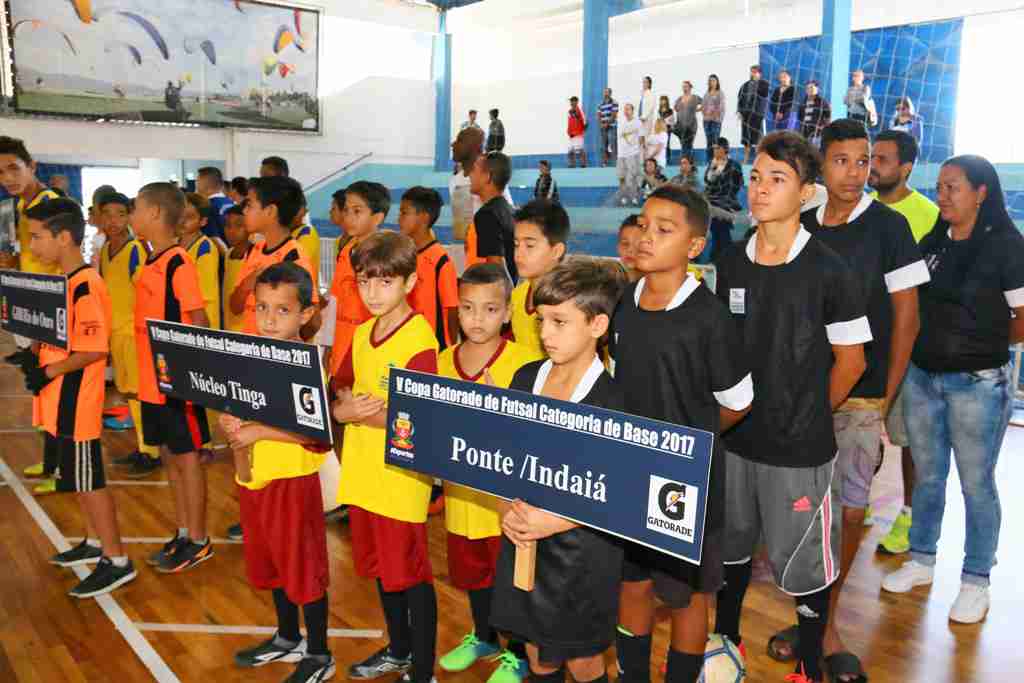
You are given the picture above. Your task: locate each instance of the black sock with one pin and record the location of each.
(51, 456)
(553, 677)
(287, 617)
(518, 648)
(396, 615)
(480, 605)
(315, 614)
(730, 600)
(423, 618)
(812, 615)
(683, 667)
(634, 657)
(603, 678)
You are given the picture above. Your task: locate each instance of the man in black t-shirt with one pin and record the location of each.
(877, 244)
(799, 310)
(495, 229)
(752, 103)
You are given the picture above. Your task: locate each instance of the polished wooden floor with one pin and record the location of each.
(49, 637)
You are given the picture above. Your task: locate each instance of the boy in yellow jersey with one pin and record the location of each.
(204, 253)
(282, 507)
(542, 229)
(238, 247)
(471, 517)
(308, 238)
(387, 505)
(120, 261)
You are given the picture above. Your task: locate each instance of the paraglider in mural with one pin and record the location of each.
(150, 30)
(83, 8)
(285, 69)
(269, 64)
(283, 38)
(211, 53)
(120, 45)
(38, 25)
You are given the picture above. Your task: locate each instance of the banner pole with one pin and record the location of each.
(526, 566)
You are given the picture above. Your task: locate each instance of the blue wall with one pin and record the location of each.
(44, 171)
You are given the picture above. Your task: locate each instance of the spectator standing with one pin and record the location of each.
(686, 107)
(495, 133)
(627, 163)
(577, 127)
(470, 122)
(687, 176)
(60, 184)
(815, 114)
(723, 180)
(782, 110)
(608, 118)
(656, 145)
(857, 97)
(713, 109)
(752, 103)
(545, 187)
(668, 116)
(274, 166)
(907, 120)
(648, 108)
(210, 184)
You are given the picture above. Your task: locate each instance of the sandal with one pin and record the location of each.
(844, 664)
(789, 638)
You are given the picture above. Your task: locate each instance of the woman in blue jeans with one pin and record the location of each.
(957, 392)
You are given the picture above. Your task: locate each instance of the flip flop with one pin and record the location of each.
(790, 637)
(844, 664)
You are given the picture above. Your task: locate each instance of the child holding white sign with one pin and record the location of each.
(574, 306)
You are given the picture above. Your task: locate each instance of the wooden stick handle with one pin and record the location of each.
(243, 464)
(526, 566)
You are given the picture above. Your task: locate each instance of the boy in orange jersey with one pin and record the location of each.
(387, 505)
(436, 295)
(471, 517)
(69, 387)
(168, 289)
(541, 233)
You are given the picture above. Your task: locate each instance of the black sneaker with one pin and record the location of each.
(269, 651)
(379, 664)
(106, 577)
(167, 550)
(235, 532)
(339, 514)
(83, 553)
(129, 460)
(188, 555)
(143, 467)
(18, 357)
(312, 670)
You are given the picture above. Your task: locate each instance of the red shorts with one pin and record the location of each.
(285, 538)
(388, 549)
(471, 562)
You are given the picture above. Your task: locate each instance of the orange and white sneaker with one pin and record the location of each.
(186, 556)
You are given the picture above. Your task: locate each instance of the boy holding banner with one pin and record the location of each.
(541, 233)
(69, 390)
(387, 505)
(282, 508)
(471, 517)
(677, 359)
(569, 617)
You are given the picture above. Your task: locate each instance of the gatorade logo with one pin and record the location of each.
(672, 508)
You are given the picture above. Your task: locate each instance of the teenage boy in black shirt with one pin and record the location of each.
(494, 227)
(678, 359)
(802, 319)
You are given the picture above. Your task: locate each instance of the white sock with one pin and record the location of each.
(121, 561)
(182, 532)
(202, 541)
(905, 510)
(93, 543)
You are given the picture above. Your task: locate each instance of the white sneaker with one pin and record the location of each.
(970, 605)
(906, 577)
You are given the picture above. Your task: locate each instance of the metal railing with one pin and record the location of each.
(317, 184)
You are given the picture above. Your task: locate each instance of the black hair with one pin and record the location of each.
(426, 200)
(906, 145)
(15, 147)
(234, 210)
(722, 142)
(544, 162)
(499, 166)
(240, 185)
(279, 165)
(201, 204)
(214, 172)
(591, 286)
(487, 274)
(385, 254)
(842, 130)
(494, 113)
(795, 151)
(756, 67)
(113, 198)
(376, 196)
(472, 111)
(630, 221)
(980, 171)
(718, 82)
(574, 99)
(280, 191)
(698, 211)
(60, 215)
(339, 197)
(289, 273)
(168, 197)
(648, 79)
(549, 216)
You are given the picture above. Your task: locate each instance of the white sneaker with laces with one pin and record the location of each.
(970, 605)
(911, 574)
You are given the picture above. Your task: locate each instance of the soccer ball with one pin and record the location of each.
(723, 662)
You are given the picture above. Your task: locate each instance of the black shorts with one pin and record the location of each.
(179, 425)
(675, 580)
(79, 464)
(752, 129)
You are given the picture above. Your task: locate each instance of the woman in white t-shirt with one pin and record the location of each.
(656, 145)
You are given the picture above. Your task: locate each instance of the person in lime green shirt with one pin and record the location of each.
(892, 161)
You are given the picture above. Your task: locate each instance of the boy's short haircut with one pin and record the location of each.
(698, 211)
(234, 210)
(545, 163)
(499, 166)
(339, 198)
(201, 203)
(113, 198)
(385, 254)
(591, 286)
(906, 145)
(376, 196)
(494, 113)
(280, 191)
(756, 67)
(795, 151)
(15, 147)
(240, 185)
(169, 198)
(59, 215)
(278, 164)
(100, 192)
(723, 143)
(487, 274)
(213, 172)
(425, 199)
(842, 130)
(549, 216)
(289, 273)
(631, 221)
(472, 111)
